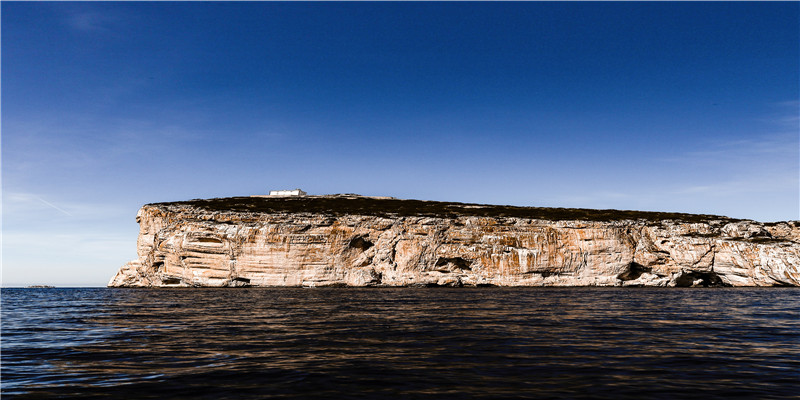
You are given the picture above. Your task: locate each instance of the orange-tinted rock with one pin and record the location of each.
(186, 244)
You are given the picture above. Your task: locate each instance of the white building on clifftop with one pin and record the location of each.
(296, 192)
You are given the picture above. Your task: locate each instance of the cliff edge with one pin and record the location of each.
(349, 240)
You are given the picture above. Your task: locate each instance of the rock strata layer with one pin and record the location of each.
(359, 241)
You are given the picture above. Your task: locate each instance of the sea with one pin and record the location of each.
(401, 343)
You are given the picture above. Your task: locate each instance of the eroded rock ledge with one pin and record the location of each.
(349, 240)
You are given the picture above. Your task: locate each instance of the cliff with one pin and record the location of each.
(360, 241)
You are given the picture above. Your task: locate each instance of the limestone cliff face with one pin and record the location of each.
(266, 244)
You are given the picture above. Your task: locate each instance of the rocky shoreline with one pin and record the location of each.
(350, 240)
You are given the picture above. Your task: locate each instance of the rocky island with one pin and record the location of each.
(351, 240)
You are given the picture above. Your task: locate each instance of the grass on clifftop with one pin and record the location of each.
(342, 205)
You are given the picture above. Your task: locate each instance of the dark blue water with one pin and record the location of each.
(408, 343)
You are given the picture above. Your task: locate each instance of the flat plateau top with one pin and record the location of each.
(391, 207)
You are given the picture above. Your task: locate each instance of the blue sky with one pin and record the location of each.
(689, 107)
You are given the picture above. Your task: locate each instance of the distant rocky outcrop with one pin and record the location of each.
(351, 240)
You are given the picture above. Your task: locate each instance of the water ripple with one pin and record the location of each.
(414, 343)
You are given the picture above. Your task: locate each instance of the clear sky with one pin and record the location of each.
(689, 107)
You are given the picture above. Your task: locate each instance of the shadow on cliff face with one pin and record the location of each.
(635, 270)
(685, 279)
(450, 264)
(353, 254)
(360, 243)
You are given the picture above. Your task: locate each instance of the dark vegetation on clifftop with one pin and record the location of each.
(390, 207)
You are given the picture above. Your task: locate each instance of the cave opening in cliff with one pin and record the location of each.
(699, 279)
(634, 271)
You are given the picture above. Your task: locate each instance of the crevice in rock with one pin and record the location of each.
(158, 266)
(302, 229)
(447, 264)
(359, 242)
(208, 239)
(239, 282)
(393, 252)
(634, 271)
(171, 280)
(713, 257)
(710, 251)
